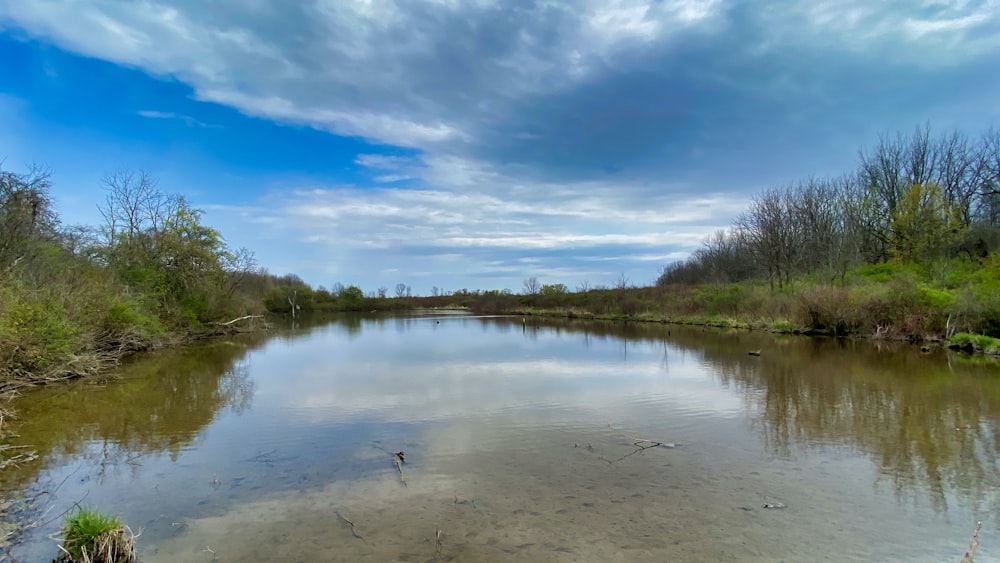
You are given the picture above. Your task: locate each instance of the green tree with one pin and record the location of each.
(925, 225)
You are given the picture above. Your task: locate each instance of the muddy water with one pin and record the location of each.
(519, 445)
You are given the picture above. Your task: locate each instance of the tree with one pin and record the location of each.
(401, 290)
(925, 225)
(554, 289)
(353, 298)
(26, 215)
(532, 286)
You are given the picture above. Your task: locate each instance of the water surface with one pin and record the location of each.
(519, 444)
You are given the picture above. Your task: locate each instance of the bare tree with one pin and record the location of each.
(584, 286)
(132, 203)
(622, 283)
(400, 290)
(239, 266)
(532, 286)
(770, 233)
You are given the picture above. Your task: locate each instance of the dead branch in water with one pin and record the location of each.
(238, 319)
(398, 459)
(971, 554)
(350, 524)
(438, 544)
(641, 445)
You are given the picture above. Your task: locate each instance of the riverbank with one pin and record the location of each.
(882, 302)
(92, 363)
(965, 342)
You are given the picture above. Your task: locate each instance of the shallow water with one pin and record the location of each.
(519, 446)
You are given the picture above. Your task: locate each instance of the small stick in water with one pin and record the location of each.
(971, 554)
(398, 459)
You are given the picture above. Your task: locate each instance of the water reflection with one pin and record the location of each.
(494, 407)
(160, 404)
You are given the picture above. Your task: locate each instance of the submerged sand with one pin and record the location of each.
(556, 501)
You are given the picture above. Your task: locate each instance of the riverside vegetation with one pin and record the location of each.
(902, 247)
(74, 298)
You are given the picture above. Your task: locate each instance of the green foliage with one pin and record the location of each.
(66, 296)
(882, 272)
(725, 299)
(94, 537)
(554, 289)
(783, 326)
(925, 224)
(35, 332)
(352, 299)
(940, 299)
(125, 315)
(986, 344)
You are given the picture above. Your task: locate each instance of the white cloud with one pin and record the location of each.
(585, 231)
(155, 114)
(559, 127)
(928, 32)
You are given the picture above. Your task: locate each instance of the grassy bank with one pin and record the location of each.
(890, 300)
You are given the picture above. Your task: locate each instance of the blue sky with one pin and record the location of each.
(476, 143)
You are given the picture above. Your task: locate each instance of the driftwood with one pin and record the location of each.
(971, 554)
(398, 459)
(238, 319)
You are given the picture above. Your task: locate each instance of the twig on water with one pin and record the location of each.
(350, 523)
(263, 457)
(773, 504)
(641, 445)
(971, 554)
(438, 543)
(398, 459)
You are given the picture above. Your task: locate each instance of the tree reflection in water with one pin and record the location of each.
(928, 421)
(160, 403)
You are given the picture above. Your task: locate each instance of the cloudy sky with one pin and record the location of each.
(475, 143)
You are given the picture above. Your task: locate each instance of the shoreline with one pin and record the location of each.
(963, 342)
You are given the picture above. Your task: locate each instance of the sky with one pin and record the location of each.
(473, 144)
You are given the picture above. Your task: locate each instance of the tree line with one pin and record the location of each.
(917, 198)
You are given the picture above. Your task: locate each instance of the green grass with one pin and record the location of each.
(985, 344)
(783, 326)
(91, 535)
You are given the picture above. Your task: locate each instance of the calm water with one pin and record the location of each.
(517, 446)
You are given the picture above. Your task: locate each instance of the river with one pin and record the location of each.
(542, 440)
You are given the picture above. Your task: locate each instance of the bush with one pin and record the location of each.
(828, 308)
